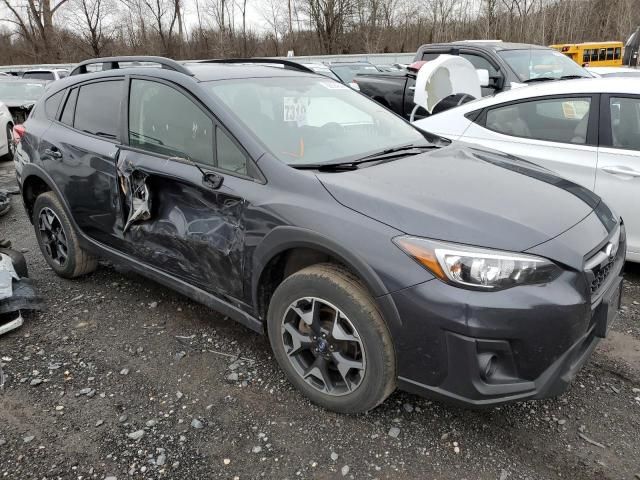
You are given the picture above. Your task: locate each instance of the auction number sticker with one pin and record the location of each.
(295, 109)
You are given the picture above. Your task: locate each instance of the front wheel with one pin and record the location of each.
(330, 339)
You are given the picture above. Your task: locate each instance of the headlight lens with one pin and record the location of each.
(480, 268)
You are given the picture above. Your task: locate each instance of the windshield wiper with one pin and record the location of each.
(540, 79)
(546, 79)
(382, 156)
(386, 153)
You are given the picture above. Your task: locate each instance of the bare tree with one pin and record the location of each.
(89, 18)
(34, 21)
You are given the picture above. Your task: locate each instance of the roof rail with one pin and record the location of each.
(113, 63)
(287, 64)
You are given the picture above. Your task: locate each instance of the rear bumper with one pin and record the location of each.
(529, 343)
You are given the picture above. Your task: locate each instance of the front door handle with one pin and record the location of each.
(620, 170)
(54, 153)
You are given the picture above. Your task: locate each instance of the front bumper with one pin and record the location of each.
(488, 348)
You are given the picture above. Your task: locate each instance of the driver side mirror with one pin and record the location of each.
(483, 77)
(496, 82)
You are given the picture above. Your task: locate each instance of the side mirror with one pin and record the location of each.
(483, 77)
(496, 82)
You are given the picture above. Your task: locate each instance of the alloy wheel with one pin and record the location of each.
(323, 346)
(53, 237)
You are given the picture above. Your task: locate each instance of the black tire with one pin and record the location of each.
(78, 261)
(10, 145)
(334, 284)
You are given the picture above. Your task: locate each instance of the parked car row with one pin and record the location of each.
(374, 254)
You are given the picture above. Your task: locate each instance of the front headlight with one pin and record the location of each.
(474, 267)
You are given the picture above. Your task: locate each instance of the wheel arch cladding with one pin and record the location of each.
(286, 250)
(32, 187)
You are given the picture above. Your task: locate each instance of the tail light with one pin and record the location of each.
(18, 132)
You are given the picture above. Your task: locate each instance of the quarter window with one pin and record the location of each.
(69, 108)
(52, 103)
(164, 121)
(98, 109)
(562, 120)
(625, 122)
(229, 156)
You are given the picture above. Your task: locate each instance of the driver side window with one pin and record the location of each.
(163, 120)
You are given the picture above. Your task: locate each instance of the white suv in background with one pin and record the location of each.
(46, 74)
(587, 131)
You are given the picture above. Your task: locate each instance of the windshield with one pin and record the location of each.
(541, 63)
(347, 72)
(311, 120)
(12, 90)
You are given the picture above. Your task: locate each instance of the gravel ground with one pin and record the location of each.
(122, 378)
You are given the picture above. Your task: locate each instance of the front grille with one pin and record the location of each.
(600, 274)
(603, 264)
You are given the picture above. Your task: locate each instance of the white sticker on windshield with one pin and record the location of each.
(295, 109)
(334, 86)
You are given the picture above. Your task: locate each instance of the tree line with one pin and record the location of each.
(66, 31)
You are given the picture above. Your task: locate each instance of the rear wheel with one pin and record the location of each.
(11, 147)
(330, 339)
(57, 239)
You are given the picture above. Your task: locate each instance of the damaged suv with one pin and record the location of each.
(374, 255)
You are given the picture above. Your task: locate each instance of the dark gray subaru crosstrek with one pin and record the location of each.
(372, 255)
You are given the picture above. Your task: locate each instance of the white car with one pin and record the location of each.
(587, 131)
(7, 147)
(46, 74)
(614, 71)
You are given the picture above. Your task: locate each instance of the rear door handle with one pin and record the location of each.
(53, 153)
(619, 170)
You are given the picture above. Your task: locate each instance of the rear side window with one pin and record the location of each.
(563, 120)
(69, 108)
(165, 121)
(98, 109)
(39, 75)
(52, 103)
(625, 122)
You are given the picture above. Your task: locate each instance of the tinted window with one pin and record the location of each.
(625, 122)
(69, 108)
(480, 63)
(229, 156)
(165, 121)
(39, 75)
(52, 103)
(98, 109)
(559, 120)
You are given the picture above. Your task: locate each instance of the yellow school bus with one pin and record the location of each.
(593, 54)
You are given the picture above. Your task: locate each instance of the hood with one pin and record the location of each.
(466, 195)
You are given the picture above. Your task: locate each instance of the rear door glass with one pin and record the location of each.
(98, 109)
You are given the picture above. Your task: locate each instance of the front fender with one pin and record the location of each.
(284, 238)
